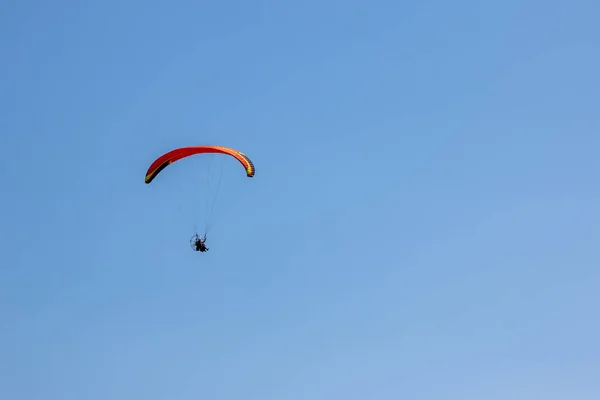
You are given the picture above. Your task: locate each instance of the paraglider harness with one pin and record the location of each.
(198, 243)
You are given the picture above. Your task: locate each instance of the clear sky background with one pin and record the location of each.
(424, 221)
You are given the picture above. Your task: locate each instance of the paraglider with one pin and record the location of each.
(197, 242)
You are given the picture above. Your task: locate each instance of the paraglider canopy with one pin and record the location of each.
(174, 155)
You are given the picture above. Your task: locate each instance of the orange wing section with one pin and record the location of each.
(169, 158)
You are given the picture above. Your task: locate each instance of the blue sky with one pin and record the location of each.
(423, 222)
